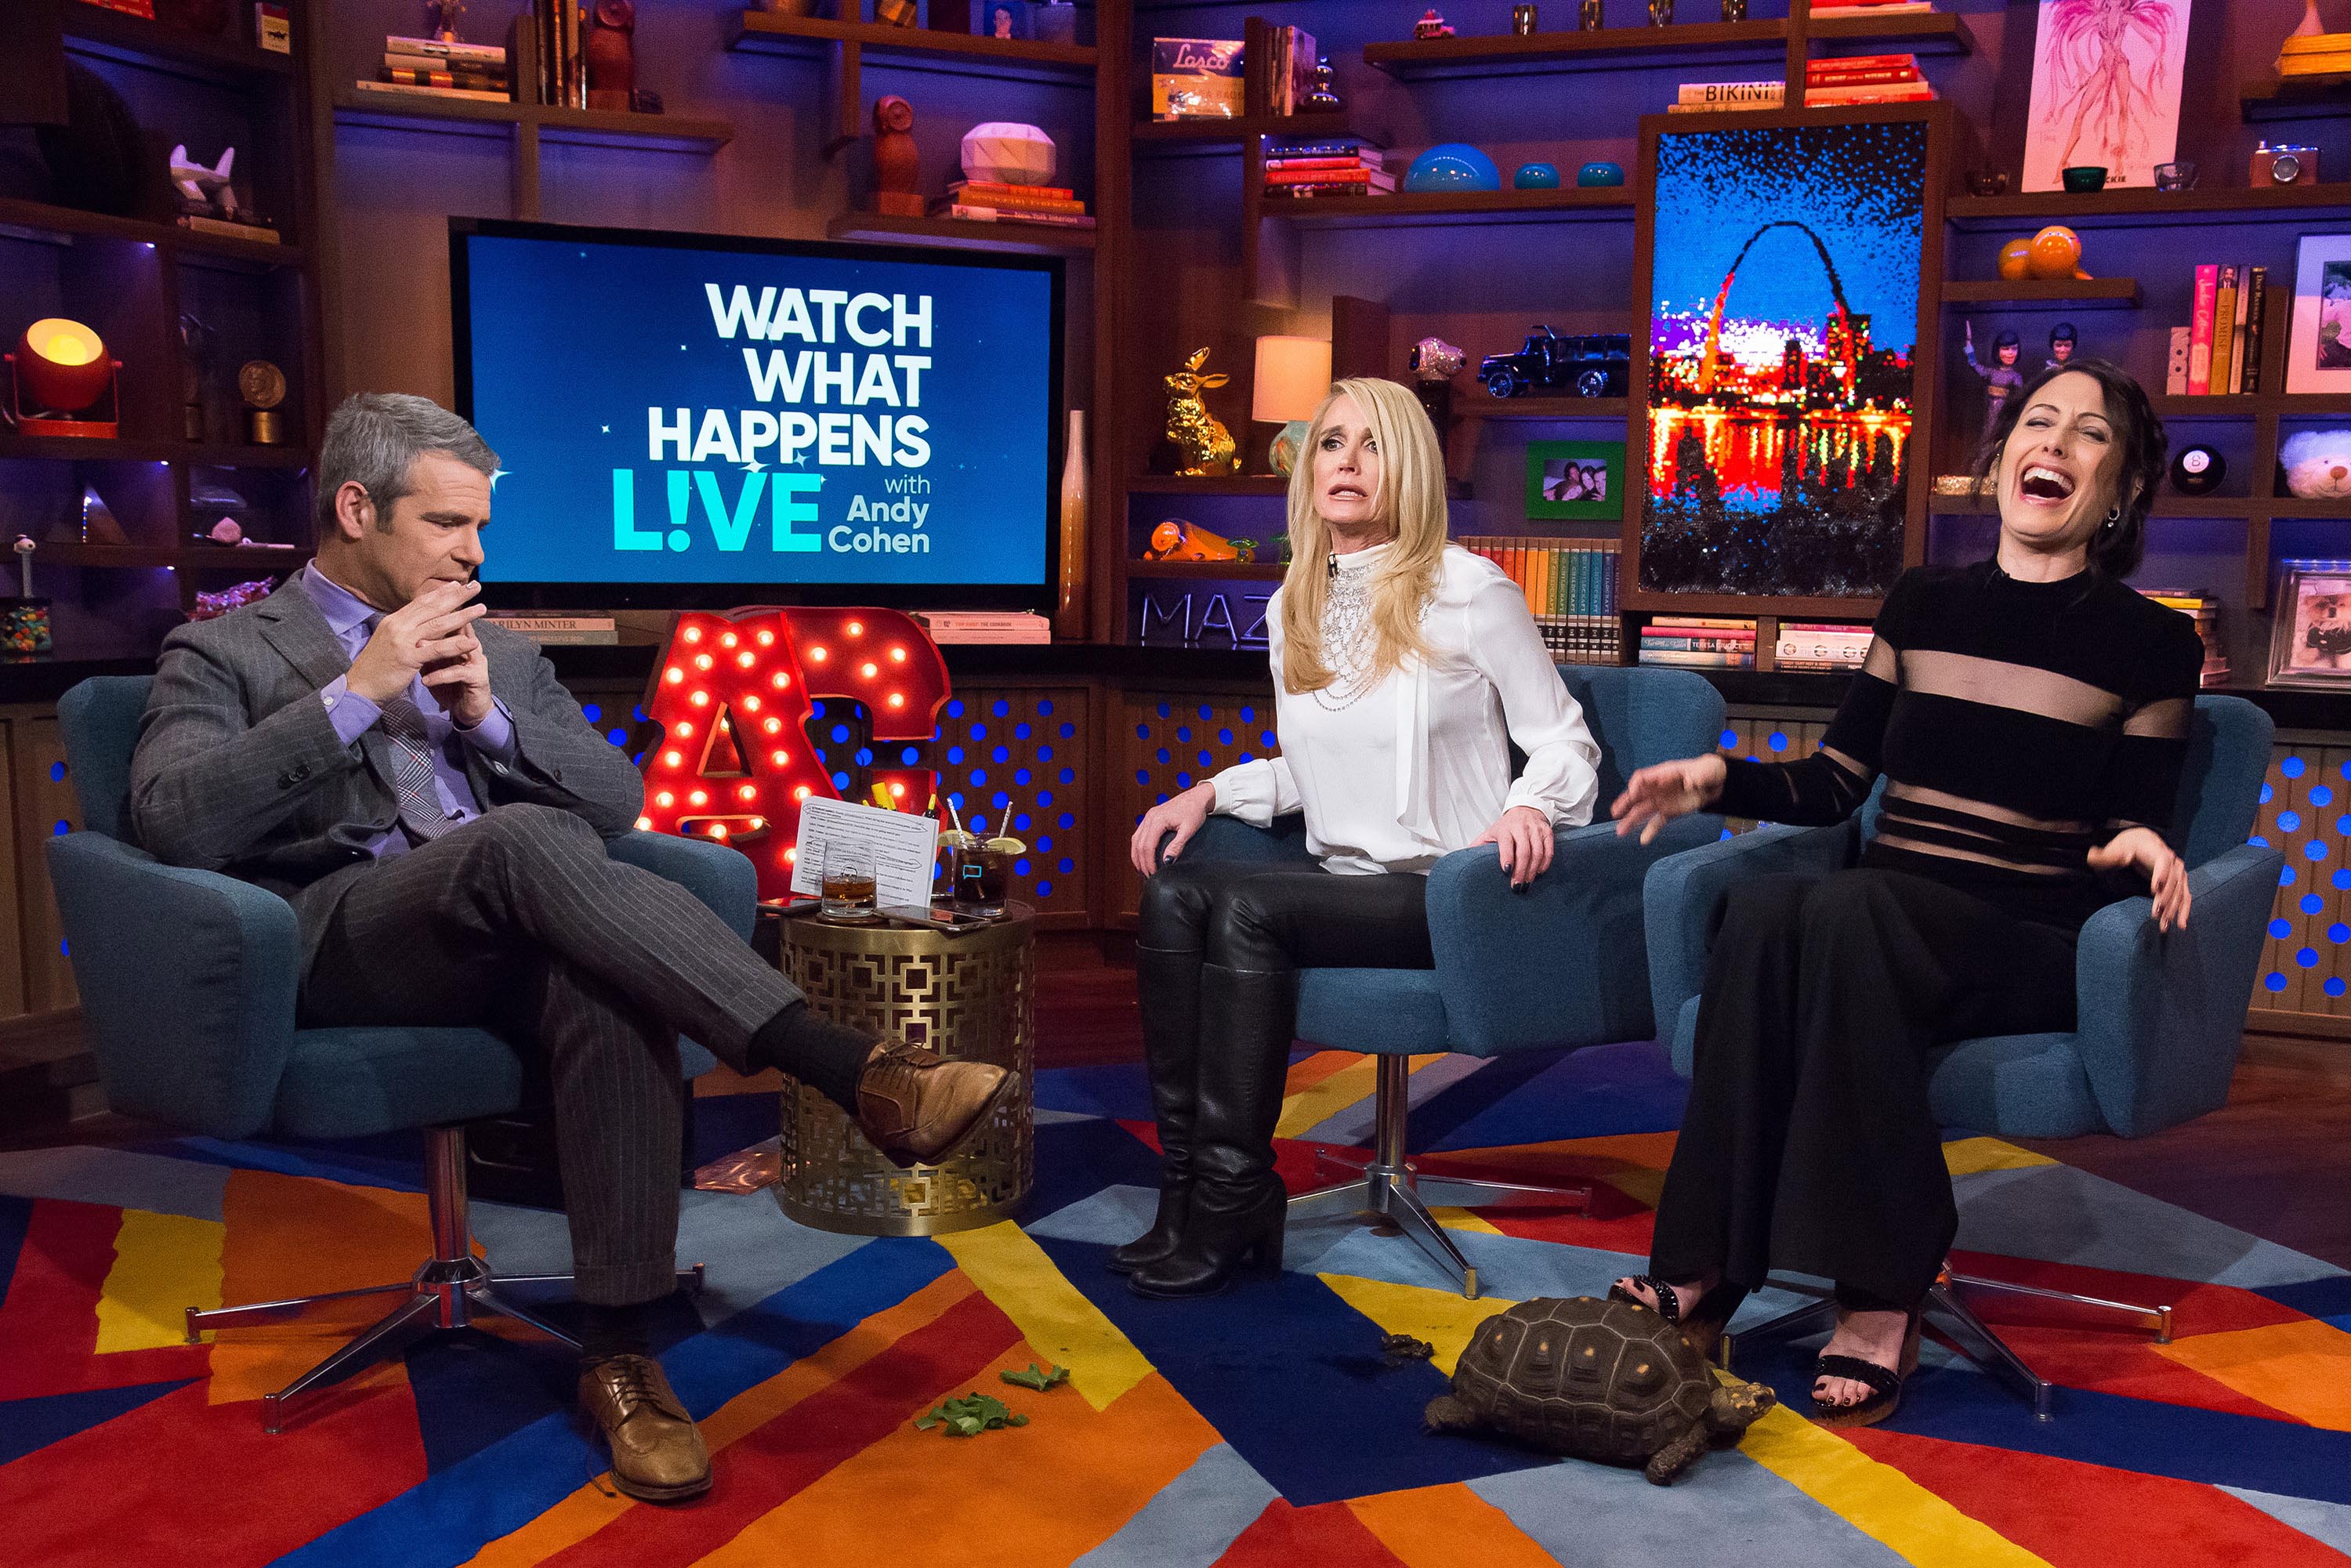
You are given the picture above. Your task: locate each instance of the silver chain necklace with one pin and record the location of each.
(1347, 640)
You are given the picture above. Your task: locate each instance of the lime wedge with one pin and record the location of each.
(956, 839)
(1005, 846)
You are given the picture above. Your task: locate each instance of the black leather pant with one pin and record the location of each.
(1221, 943)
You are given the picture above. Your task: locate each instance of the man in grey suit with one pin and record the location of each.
(428, 796)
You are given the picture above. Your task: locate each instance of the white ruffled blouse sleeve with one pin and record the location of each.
(1560, 778)
(1263, 788)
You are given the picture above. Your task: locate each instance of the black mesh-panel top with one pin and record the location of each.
(2018, 724)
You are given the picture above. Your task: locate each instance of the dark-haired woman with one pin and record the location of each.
(2030, 715)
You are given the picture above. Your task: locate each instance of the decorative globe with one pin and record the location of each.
(1453, 166)
(1601, 172)
(1007, 153)
(2056, 251)
(1535, 177)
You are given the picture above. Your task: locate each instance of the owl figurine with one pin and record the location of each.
(897, 168)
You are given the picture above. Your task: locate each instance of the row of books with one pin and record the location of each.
(1571, 587)
(1857, 78)
(2205, 610)
(1340, 167)
(2219, 350)
(1288, 72)
(1700, 642)
(437, 67)
(1821, 645)
(990, 202)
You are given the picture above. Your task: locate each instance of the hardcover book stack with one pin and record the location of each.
(2206, 612)
(1700, 642)
(988, 202)
(1821, 645)
(1282, 69)
(1340, 167)
(1571, 587)
(2219, 350)
(1857, 78)
(430, 68)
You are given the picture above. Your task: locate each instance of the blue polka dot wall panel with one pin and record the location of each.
(1767, 737)
(1012, 760)
(45, 800)
(2305, 813)
(1166, 745)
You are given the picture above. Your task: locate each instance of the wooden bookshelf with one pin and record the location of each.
(914, 48)
(1163, 137)
(553, 123)
(1230, 570)
(1483, 57)
(1481, 404)
(154, 46)
(2069, 293)
(45, 218)
(1567, 205)
(965, 234)
(2140, 208)
(1245, 485)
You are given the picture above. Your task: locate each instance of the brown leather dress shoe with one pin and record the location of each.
(657, 1452)
(917, 1106)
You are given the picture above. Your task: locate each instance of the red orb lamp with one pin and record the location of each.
(62, 380)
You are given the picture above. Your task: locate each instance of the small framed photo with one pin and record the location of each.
(2310, 640)
(2318, 348)
(1575, 479)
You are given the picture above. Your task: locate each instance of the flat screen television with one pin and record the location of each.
(698, 421)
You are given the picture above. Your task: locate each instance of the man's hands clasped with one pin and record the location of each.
(432, 636)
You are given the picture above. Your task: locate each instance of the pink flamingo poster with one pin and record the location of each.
(2105, 90)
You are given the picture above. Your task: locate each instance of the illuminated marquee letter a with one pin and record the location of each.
(731, 701)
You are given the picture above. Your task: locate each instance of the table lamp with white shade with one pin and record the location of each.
(1293, 377)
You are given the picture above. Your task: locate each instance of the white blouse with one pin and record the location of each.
(1419, 765)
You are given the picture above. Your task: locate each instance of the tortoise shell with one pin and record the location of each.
(1599, 1380)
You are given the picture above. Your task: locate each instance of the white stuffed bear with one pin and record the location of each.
(2319, 463)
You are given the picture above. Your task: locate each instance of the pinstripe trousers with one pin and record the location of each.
(519, 921)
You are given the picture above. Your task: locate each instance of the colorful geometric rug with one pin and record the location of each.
(1264, 1428)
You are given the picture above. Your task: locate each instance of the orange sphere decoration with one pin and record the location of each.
(2056, 251)
(2016, 260)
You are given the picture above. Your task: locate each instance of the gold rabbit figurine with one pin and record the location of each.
(1201, 436)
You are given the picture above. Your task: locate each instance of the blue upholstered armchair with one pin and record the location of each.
(1562, 964)
(188, 982)
(2159, 1016)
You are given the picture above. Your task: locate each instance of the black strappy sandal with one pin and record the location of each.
(1887, 1384)
(1708, 1316)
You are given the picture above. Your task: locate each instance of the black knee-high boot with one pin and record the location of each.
(1248, 1019)
(1169, 984)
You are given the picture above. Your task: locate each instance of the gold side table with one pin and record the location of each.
(970, 996)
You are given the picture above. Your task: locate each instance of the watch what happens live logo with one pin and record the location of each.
(843, 391)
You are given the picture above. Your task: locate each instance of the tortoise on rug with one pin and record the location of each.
(1596, 1380)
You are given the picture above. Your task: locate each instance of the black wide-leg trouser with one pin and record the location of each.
(1808, 1144)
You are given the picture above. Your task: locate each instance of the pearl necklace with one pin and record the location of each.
(1347, 639)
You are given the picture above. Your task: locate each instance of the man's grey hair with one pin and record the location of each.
(375, 439)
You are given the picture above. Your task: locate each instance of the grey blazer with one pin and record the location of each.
(238, 769)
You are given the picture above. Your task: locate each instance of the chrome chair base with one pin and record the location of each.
(448, 1291)
(1387, 1185)
(1946, 1312)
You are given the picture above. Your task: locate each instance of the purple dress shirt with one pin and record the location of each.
(349, 617)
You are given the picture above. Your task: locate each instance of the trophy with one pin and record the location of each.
(262, 387)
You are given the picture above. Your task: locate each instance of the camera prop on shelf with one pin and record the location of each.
(1591, 365)
(1205, 445)
(897, 166)
(2283, 164)
(62, 381)
(1432, 25)
(2317, 464)
(24, 620)
(1178, 539)
(2053, 254)
(2001, 378)
(1433, 362)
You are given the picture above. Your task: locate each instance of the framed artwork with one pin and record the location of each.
(1575, 479)
(2105, 90)
(2310, 635)
(1781, 380)
(2318, 347)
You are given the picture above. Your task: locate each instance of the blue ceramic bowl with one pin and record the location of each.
(1453, 166)
(1601, 173)
(1535, 177)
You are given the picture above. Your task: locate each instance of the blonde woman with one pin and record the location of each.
(1404, 669)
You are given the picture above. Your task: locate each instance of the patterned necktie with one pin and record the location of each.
(421, 811)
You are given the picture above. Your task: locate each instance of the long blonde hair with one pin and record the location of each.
(1409, 499)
